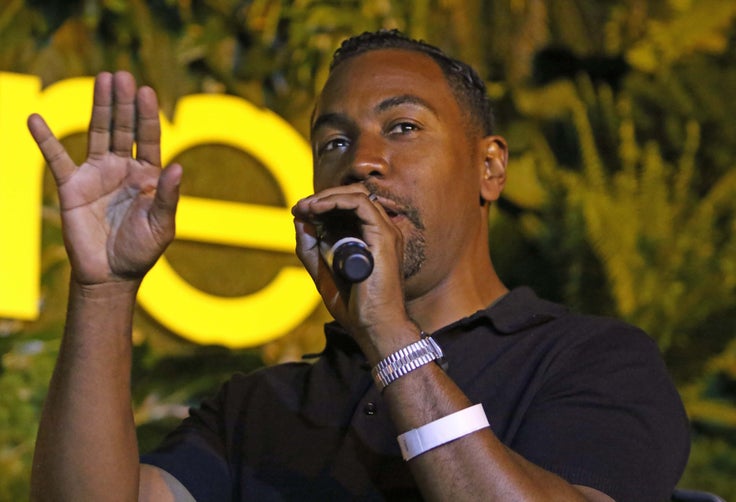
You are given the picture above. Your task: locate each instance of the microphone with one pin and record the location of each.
(341, 246)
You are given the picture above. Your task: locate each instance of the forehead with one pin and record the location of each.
(367, 78)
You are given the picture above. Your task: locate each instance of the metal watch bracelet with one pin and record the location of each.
(405, 360)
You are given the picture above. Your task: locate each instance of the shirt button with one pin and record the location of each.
(369, 409)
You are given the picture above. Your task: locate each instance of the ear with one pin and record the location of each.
(493, 171)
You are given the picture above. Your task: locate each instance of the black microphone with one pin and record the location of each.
(341, 245)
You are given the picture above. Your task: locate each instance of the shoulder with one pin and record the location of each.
(601, 408)
(522, 314)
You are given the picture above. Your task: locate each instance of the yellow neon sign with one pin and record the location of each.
(199, 119)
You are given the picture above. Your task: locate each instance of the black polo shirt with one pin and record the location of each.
(585, 397)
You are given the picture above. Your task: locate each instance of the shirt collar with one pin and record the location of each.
(518, 310)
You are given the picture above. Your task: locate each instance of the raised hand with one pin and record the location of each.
(117, 210)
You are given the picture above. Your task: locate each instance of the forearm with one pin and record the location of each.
(474, 467)
(86, 447)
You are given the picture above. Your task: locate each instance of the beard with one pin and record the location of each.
(414, 254)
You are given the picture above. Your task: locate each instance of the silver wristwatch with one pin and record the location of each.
(406, 360)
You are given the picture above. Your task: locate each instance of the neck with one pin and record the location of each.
(459, 295)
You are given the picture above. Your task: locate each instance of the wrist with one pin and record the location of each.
(407, 359)
(112, 290)
(378, 342)
(103, 315)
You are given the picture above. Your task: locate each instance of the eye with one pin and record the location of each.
(404, 128)
(333, 144)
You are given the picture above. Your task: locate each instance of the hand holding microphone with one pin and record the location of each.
(341, 246)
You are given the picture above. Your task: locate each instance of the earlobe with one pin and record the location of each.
(493, 176)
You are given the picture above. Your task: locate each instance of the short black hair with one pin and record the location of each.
(466, 85)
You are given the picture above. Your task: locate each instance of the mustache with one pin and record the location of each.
(404, 205)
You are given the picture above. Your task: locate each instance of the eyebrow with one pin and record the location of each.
(334, 119)
(342, 121)
(404, 99)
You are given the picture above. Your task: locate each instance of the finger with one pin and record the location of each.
(61, 165)
(359, 203)
(306, 245)
(308, 253)
(98, 137)
(148, 128)
(123, 132)
(163, 210)
(329, 199)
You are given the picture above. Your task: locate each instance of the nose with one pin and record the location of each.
(368, 159)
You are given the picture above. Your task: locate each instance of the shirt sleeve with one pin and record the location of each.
(609, 417)
(195, 453)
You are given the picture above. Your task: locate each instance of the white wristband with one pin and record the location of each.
(441, 431)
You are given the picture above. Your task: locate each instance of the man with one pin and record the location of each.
(511, 398)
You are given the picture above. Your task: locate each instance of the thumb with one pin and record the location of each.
(163, 210)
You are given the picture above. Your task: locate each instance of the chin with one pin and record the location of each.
(414, 257)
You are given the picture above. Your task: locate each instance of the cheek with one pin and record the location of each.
(324, 176)
(449, 207)
(318, 184)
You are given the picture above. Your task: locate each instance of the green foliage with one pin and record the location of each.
(711, 399)
(711, 467)
(693, 27)
(26, 361)
(639, 216)
(711, 406)
(666, 251)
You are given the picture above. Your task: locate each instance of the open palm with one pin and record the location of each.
(117, 211)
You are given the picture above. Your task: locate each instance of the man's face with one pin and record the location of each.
(388, 119)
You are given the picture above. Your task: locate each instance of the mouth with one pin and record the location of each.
(392, 209)
(391, 213)
(396, 207)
